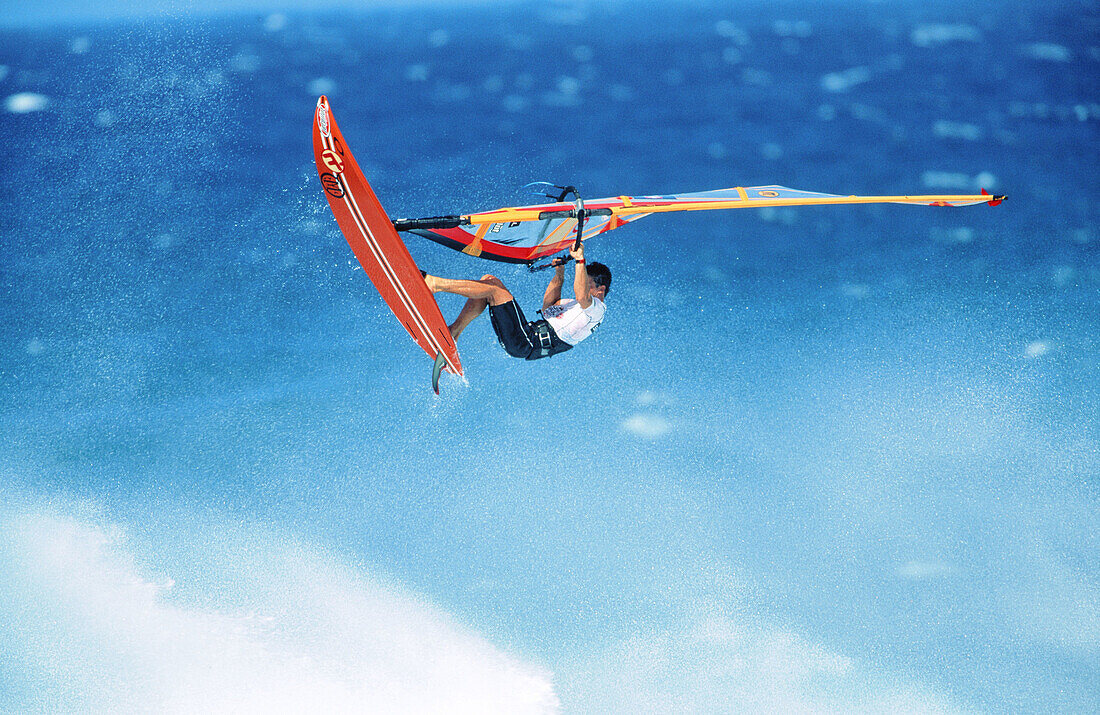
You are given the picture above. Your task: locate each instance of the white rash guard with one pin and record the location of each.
(573, 323)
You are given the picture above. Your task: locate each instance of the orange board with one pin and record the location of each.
(372, 238)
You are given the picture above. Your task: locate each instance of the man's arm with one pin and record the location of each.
(580, 279)
(553, 291)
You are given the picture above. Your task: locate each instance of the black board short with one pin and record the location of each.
(512, 328)
(520, 337)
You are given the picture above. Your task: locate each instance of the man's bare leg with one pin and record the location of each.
(473, 308)
(489, 287)
(481, 293)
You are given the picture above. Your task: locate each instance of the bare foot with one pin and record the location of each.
(431, 281)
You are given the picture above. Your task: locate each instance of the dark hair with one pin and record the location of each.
(600, 274)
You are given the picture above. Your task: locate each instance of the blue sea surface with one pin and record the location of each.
(818, 459)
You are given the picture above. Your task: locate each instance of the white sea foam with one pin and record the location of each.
(958, 180)
(933, 34)
(957, 130)
(582, 53)
(786, 215)
(105, 118)
(1060, 604)
(568, 85)
(771, 151)
(1081, 236)
(959, 234)
(451, 92)
(732, 55)
(238, 620)
(322, 85)
(621, 93)
(845, 80)
(721, 664)
(1081, 112)
(715, 275)
(439, 38)
(275, 22)
(985, 180)
(868, 113)
(787, 28)
(855, 290)
(1037, 349)
(1063, 275)
(924, 570)
(518, 42)
(516, 103)
(566, 14)
(25, 102)
(565, 95)
(1047, 51)
(756, 77)
(646, 426)
(735, 34)
(244, 61)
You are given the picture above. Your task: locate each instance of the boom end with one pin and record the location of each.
(412, 224)
(995, 199)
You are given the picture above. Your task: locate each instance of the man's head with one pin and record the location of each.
(600, 275)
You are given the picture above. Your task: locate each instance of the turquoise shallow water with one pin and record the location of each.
(822, 459)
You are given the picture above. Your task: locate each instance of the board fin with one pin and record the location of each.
(440, 363)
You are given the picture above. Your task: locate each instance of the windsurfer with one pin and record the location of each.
(565, 322)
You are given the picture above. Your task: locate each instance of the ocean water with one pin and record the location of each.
(825, 459)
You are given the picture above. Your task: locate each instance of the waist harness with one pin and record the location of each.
(546, 341)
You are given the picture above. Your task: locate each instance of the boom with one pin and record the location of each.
(523, 234)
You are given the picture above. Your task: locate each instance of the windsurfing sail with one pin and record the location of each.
(524, 234)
